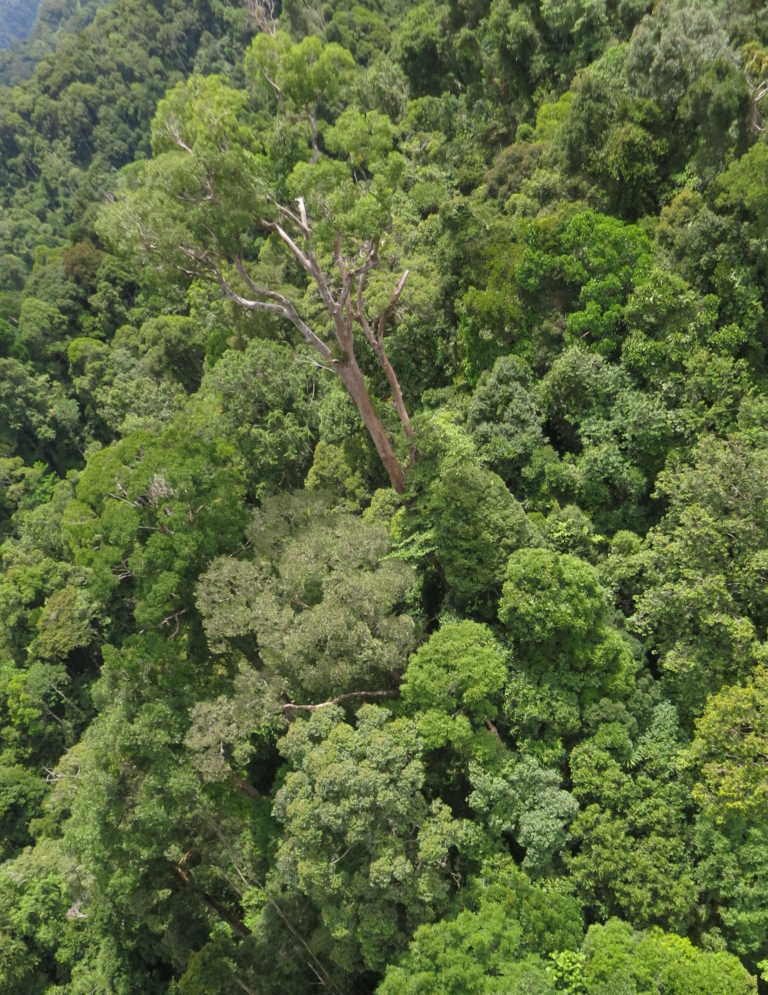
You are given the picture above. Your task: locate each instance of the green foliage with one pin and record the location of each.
(525, 800)
(269, 724)
(95, 96)
(732, 873)
(461, 667)
(634, 856)
(486, 951)
(149, 513)
(301, 75)
(364, 844)
(477, 523)
(18, 19)
(728, 751)
(702, 610)
(39, 420)
(729, 745)
(465, 517)
(568, 654)
(477, 952)
(615, 439)
(739, 187)
(271, 413)
(505, 419)
(586, 258)
(321, 597)
(653, 961)
(499, 943)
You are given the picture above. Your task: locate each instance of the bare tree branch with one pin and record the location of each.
(493, 729)
(303, 212)
(263, 13)
(758, 92)
(291, 706)
(301, 224)
(343, 312)
(377, 344)
(283, 306)
(390, 308)
(283, 235)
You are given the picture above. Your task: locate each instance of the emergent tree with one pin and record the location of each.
(228, 182)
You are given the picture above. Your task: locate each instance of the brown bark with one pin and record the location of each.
(353, 380)
(228, 917)
(343, 312)
(245, 787)
(224, 914)
(441, 574)
(376, 342)
(493, 729)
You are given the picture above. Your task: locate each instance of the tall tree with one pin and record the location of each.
(217, 186)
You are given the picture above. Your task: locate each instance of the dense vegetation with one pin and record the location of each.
(384, 499)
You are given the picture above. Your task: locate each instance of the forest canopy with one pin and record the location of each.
(384, 498)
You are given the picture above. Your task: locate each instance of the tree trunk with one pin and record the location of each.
(353, 380)
(343, 315)
(223, 913)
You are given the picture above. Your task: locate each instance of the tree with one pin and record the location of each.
(322, 599)
(567, 652)
(300, 76)
(461, 667)
(497, 941)
(731, 746)
(478, 953)
(215, 186)
(634, 853)
(505, 420)
(459, 516)
(271, 411)
(364, 844)
(579, 255)
(704, 604)
(654, 962)
(150, 514)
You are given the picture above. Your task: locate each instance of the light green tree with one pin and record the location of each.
(731, 747)
(325, 605)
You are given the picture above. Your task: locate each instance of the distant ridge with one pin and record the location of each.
(29, 29)
(17, 18)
